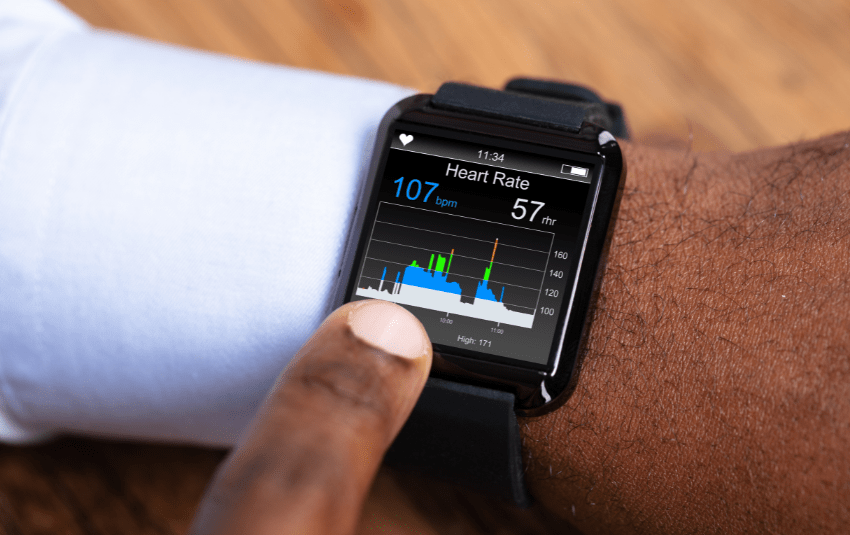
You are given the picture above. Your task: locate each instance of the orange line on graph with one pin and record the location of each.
(494, 250)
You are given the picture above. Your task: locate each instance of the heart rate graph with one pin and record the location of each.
(493, 271)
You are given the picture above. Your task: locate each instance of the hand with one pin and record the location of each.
(306, 462)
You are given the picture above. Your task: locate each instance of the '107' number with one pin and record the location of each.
(414, 189)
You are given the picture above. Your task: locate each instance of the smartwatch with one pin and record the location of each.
(487, 214)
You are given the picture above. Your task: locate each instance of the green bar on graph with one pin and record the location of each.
(450, 262)
(413, 264)
(431, 263)
(487, 272)
(441, 262)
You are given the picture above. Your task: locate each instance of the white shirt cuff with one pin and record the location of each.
(171, 227)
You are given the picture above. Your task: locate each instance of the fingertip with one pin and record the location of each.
(389, 327)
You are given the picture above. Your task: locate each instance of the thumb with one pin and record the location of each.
(306, 462)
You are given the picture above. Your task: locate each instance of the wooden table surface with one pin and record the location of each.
(724, 74)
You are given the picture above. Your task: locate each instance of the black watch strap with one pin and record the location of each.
(469, 434)
(536, 102)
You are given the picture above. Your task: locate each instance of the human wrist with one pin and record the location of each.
(681, 418)
(566, 451)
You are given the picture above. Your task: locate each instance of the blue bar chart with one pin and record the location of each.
(493, 272)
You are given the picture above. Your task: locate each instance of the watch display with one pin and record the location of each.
(478, 237)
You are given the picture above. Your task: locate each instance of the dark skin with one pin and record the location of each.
(714, 394)
(715, 390)
(307, 461)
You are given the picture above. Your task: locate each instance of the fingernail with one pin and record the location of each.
(389, 327)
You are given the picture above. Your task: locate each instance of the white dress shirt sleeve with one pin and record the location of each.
(171, 226)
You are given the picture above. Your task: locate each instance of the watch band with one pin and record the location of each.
(465, 434)
(469, 434)
(537, 102)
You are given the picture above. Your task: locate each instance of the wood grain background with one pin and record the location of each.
(741, 73)
(720, 74)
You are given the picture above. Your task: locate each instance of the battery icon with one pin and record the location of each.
(573, 170)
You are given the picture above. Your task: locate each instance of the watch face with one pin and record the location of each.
(478, 237)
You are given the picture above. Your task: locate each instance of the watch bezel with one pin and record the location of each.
(538, 389)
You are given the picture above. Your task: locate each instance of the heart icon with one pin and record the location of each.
(405, 138)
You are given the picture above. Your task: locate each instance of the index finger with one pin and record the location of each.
(308, 459)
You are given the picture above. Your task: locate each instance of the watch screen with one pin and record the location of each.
(476, 237)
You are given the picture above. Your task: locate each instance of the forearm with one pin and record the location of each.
(715, 389)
